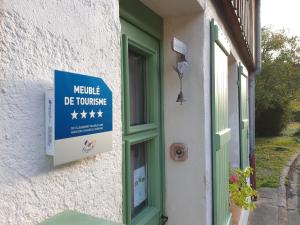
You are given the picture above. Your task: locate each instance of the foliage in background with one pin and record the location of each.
(279, 82)
(239, 190)
(295, 108)
(273, 153)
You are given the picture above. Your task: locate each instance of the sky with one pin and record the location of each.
(281, 14)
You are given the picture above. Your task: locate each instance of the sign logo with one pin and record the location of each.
(88, 145)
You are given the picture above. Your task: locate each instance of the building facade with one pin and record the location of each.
(179, 75)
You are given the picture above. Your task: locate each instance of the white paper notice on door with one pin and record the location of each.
(140, 190)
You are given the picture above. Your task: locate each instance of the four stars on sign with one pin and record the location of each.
(83, 114)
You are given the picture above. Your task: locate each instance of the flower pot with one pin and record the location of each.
(236, 213)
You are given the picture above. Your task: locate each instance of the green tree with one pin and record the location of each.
(279, 82)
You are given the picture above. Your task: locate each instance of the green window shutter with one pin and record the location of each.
(244, 119)
(220, 131)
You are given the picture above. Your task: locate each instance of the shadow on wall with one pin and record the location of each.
(31, 53)
(22, 130)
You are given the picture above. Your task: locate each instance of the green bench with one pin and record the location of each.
(76, 218)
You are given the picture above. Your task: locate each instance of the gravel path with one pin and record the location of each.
(267, 210)
(280, 206)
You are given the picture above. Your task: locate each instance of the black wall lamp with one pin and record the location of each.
(181, 64)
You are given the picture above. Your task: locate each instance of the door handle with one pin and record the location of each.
(164, 219)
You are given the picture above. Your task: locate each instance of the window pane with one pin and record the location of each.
(138, 178)
(137, 80)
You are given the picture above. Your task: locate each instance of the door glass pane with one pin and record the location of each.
(139, 194)
(137, 75)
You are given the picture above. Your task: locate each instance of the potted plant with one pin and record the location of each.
(241, 193)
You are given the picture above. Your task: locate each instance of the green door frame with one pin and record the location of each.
(243, 117)
(140, 32)
(221, 134)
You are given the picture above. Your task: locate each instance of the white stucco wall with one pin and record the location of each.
(187, 197)
(37, 37)
(83, 36)
(188, 184)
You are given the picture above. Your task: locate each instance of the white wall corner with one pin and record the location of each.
(168, 8)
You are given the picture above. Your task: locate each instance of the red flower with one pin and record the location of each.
(233, 179)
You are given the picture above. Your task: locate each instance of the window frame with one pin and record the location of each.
(136, 38)
(151, 60)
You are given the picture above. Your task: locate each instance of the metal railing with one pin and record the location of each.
(244, 11)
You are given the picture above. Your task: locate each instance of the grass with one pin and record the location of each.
(295, 105)
(272, 154)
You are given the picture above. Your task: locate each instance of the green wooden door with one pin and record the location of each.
(220, 131)
(143, 196)
(243, 112)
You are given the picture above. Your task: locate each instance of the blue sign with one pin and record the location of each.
(83, 110)
(83, 105)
